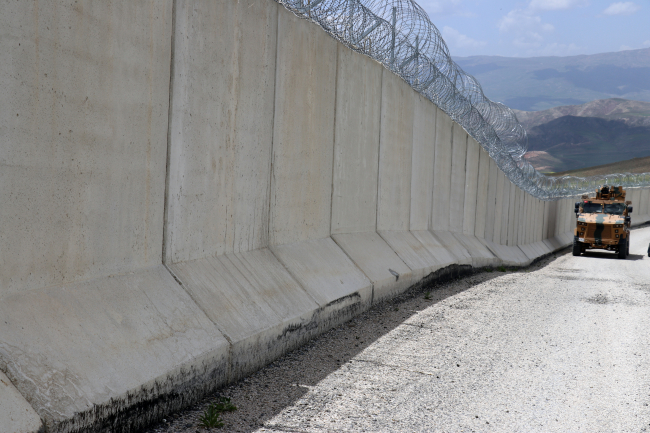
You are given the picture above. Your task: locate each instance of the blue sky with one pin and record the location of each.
(527, 28)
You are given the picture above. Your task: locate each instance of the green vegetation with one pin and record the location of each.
(211, 417)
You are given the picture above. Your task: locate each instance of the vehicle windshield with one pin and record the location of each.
(614, 208)
(592, 208)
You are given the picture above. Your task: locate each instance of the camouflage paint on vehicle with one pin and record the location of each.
(602, 221)
(600, 227)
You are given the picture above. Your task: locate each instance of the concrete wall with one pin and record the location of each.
(220, 138)
(84, 90)
(303, 133)
(423, 162)
(205, 185)
(442, 172)
(356, 143)
(395, 153)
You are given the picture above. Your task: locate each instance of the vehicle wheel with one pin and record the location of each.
(622, 249)
(627, 249)
(576, 246)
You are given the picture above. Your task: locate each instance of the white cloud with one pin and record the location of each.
(647, 43)
(624, 48)
(457, 40)
(521, 20)
(555, 5)
(622, 8)
(527, 27)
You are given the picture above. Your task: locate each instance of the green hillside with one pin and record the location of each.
(579, 142)
(635, 165)
(539, 83)
(633, 113)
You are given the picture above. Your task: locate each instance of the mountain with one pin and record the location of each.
(573, 142)
(540, 83)
(633, 113)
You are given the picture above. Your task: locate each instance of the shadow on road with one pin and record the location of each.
(266, 393)
(612, 255)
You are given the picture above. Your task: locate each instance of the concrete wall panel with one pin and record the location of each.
(552, 220)
(443, 256)
(512, 222)
(505, 213)
(16, 414)
(376, 259)
(303, 133)
(471, 186)
(635, 197)
(253, 300)
(356, 143)
(561, 218)
(498, 207)
(424, 137)
(523, 235)
(491, 201)
(221, 129)
(517, 216)
(442, 173)
(644, 204)
(482, 193)
(412, 252)
(84, 89)
(458, 175)
(81, 353)
(545, 218)
(521, 222)
(540, 220)
(638, 207)
(537, 221)
(395, 153)
(530, 218)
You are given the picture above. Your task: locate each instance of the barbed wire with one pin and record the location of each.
(399, 35)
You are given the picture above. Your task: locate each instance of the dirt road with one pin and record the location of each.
(561, 346)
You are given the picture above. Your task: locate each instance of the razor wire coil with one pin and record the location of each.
(400, 35)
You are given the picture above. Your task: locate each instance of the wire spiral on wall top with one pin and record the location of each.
(399, 34)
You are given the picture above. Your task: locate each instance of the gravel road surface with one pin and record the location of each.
(561, 346)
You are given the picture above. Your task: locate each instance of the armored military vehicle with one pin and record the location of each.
(603, 222)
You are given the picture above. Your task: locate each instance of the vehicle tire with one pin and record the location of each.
(627, 248)
(576, 246)
(622, 249)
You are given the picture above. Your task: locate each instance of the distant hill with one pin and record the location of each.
(636, 165)
(540, 83)
(572, 142)
(633, 113)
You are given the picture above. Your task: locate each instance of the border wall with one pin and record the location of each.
(192, 188)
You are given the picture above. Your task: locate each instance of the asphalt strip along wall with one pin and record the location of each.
(161, 240)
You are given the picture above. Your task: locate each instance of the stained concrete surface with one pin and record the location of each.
(558, 346)
(15, 412)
